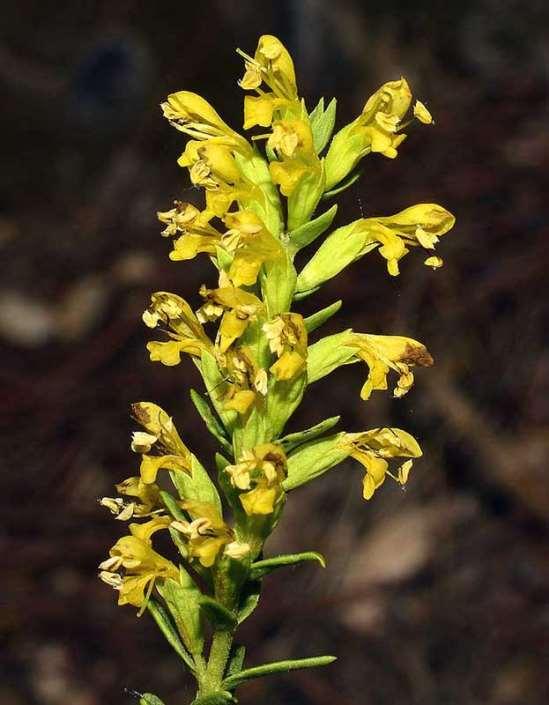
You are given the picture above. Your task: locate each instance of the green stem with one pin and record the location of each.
(217, 662)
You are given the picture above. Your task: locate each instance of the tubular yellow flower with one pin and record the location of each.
(384, 352)
(206, 534)
(141, 563)
(373, 448)
(191, 114)
(287, 338)
(259, 474)
(197, 235)
(245, 379)
(147, 494)
(183, 327)
(238, 308)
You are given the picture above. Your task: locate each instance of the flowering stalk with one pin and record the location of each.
(256, 360)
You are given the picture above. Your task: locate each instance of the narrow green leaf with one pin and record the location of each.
(303, 200)
(236, 660)
(162, 619)
(183, 601)
(179, 542)
(314, 459)
(317, 111)
(212, 424)
(300, 295)
(268, 669)
(278, 280)
(150, 699)
(249, 599)
(283, 399)
(266, 566)
(308, 232)
(322, 125)
(218, 615)
(348, 181)
(327, 354)
(222, 697)
(171, 505)
(292, 440)
(320, 317)
(221, 462)
(198, 486)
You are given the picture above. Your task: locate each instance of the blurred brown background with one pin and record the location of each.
(433, 596)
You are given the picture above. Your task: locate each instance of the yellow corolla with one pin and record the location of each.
(183, 327)
(259, 474)
(388, 352)
(252, 245)
(245, 379)
(141, 563)
(197, 234)
(373, 448)
(147, 496)
(238, 308)
(206, 534)
(287, 338)
(272, 66)
(191, 114)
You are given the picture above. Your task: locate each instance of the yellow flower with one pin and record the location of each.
(246, 379)
(147, 494)
(141, 563)
(420, 225)
(183, 327)
(238, 308)
(252, 245)
(271, 65)
(287, 338)
(173, 454)
(197, 235)
(259, 474)
(290, 138)
(377, 129)
(193, 115)
(210, 164)
(206, 534)
(372, 448)
(384, 352)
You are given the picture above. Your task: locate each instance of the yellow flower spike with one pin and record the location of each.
(373, 448)
(384, 352)
(191, 114)
(183, 327)
(239, 307)
(259, 473)
(287, 338)
(206, 535)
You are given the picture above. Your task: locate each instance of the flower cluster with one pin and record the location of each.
(264, 197)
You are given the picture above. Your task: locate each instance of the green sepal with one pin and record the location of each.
(236, 659)
(300, 295)
(303, 200)
(216, 386)
(256, 170)
(212, 424)
(352, 178)
(308, 232)
(318, 319)
(347, 148)
(283, 399)
(183, 602)
(292, 440)
(219, 616)
(171, 505)
(222, 697)
(340, 249)
(261, 568)
(322, 123)
(327, 354)
(249, 599)
(198, 486)
(167, 628)
(179, 542)
(150, 699)
(224, 258)
(278, 281)
(314, 459)
(268, 669)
